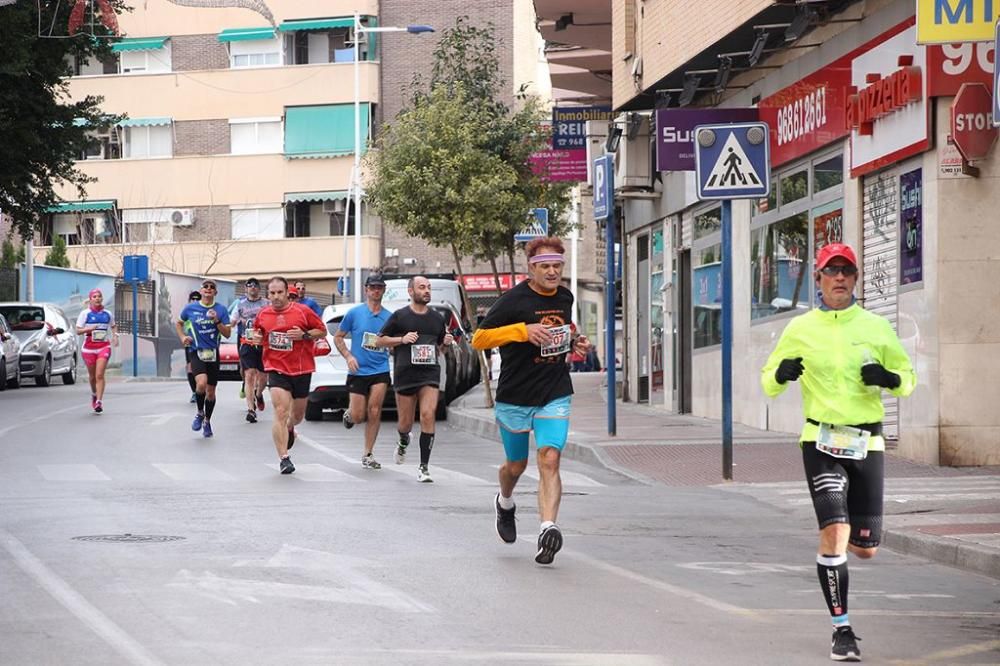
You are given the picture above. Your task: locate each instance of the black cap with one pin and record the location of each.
(252, 282)
(374, 280)
(194, 296)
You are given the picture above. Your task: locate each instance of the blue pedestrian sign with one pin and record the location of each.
(536, 226)
(996, 77)
(732, 161)
(604, 186)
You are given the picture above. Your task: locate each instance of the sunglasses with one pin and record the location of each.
(209, 286)
(846, 271)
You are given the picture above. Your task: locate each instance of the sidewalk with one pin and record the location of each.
(946, 514)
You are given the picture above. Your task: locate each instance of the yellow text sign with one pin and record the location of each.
(951, 21)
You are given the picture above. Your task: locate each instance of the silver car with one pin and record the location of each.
(48, 341)
(10, 358)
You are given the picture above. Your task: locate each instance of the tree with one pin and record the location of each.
(42, 131)
(57, 255)
(11, 256)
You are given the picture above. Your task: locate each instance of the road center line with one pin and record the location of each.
(47, 416)
(75, 603)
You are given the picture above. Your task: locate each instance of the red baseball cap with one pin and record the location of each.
(832, 250)
(292, 291)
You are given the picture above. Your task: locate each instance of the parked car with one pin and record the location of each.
(48, 341)
(328, 387)
(10, 357)
(229, 358)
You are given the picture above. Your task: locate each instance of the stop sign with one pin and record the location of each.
(971, 121)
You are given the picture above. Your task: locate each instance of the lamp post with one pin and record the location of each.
(356, 175)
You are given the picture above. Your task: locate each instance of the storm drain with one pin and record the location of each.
(129, 538)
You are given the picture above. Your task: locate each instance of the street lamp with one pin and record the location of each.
(360, 29)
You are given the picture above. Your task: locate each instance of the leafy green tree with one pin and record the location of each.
(8, 257)
(57, 255)
(41, 129)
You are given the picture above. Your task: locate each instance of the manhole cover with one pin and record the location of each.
(129, 538)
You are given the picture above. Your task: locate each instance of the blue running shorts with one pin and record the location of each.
(550, 423)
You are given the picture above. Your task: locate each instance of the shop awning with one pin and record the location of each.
(144, 122)
(316, 24)
(330, 195)
(139, 44)
(82, 206)
(245, 34)
(323, 131)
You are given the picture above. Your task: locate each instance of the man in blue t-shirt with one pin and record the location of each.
(367, 365)
(307, 301)
(201, 326)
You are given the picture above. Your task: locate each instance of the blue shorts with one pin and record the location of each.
(550, 423)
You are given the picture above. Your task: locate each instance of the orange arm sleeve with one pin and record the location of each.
(488, 338)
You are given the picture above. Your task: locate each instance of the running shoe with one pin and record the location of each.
(400, 455)
(207, 430)
(93, 401)
(194, 398)
(291, 437)
(286, 466)
(368, 462)
(423, 476)
(243, 391)
(251, 416)
(98, 407)
(844, 645)
(260, 402)
(506, 525)
(199, 420)
(348, 423)
(550, 541)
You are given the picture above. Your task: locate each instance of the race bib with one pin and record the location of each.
(207, 355)
(843, 441)
(368, 341)
(99, 335)
(279, 341)
(423, 355)
(562, 339)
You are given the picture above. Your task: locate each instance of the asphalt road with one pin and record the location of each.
(229, 562)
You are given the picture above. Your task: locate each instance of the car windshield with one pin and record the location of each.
(333, 324)
(23, 317)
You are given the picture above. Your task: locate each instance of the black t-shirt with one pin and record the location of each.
(415, 364)
(530, 375)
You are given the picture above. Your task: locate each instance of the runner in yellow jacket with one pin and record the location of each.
(845, 356)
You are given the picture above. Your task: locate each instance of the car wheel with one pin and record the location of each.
(16, 381)
(70, 377)
(3, 374)
(45, 378)
(314, 411)
(442, 409)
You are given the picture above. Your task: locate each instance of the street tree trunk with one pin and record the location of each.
(484, 371)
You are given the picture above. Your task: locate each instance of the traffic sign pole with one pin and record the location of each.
(727, 340)
(604, 209)
(135, 328)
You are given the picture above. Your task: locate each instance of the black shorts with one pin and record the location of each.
(413, 390)
(297, 385)
(200, 367)
(252, 357)
(847, 491)
(362, 384)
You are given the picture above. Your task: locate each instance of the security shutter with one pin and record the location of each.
(881, 206)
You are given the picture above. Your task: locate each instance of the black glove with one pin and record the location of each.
(873, 374)
(789, 370)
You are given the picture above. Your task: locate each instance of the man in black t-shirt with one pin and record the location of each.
(532, 324)
(414, 333)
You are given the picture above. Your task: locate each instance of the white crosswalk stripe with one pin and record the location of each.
(83, 472)
(317, 473)
(897, 490)
(193, 472)
(568, 478)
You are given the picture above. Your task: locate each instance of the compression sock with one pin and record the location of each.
(426, 444)
(201, 402)
(192, 383)
(209, 408)
(833, 579)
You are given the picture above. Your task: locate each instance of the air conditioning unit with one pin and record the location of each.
(181, 217)
(334, 206)
(634, 159)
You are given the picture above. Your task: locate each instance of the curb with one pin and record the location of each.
(953, 553)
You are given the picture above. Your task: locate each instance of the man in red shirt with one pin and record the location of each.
(287, 331)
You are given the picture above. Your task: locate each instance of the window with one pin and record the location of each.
(256, 223)
(780, 267)
(148, 141)
(251, 136)
(92, 66)
(147, 225)
(828, 173)
(706, 223)
(794, 186)
(103, 145)
(147, 61)
(707, 298)
(255, 53)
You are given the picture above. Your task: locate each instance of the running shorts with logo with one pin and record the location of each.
(97, 343)
(549, 421)
(200, 365)
(362, 384)
(297, 385)
(847, 491)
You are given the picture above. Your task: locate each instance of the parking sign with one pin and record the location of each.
(604, 186)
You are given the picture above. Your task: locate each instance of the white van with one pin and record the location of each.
(442, 291)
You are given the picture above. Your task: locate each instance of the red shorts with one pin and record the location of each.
(90, 356)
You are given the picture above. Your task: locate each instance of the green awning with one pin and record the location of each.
(82, 206)
(323, 131)
(144, 122)
(245, 34)
(316, 24)
(139, 44)
(331, 195)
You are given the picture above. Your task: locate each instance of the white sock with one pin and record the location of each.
(506, 503)
(546, 525)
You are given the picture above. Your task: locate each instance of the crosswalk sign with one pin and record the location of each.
(732, 161)
(536, 227)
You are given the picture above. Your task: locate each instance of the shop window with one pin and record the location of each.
(794, 186)
(828, 173)
(780, 267)
(707, 223)
(707, 297)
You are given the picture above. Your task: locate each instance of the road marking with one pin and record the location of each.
(192, 472)
(48, 415)
(160, 419)
(514, 654)
(82, 472)
(315, 472)
(960, 651)
(884, 612)
(75, 603)
(569, 478)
